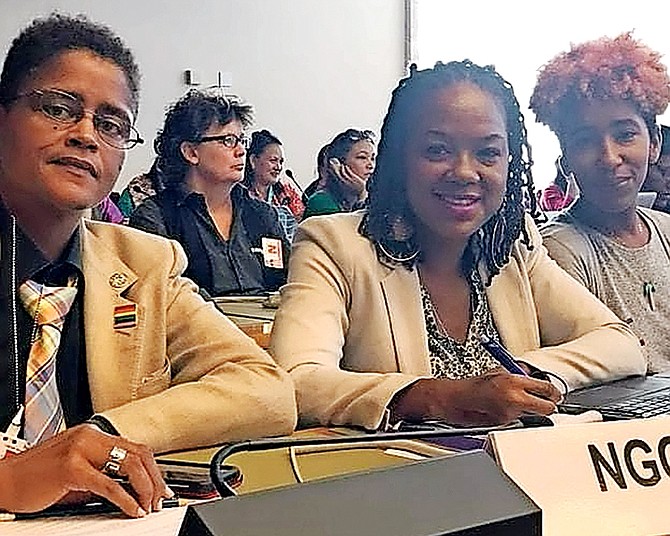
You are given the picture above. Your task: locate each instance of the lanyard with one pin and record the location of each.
(15, 328)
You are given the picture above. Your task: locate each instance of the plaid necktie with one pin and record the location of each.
(48, 306)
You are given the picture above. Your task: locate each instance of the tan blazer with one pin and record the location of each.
(184, 375)
(351, 330)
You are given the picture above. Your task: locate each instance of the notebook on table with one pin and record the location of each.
(636, 397)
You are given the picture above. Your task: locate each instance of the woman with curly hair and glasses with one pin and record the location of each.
(234, 242)
(350, 161)
(386, 311)
(601, 99)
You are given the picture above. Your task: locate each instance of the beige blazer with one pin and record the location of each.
(351, 330)
(184, 376)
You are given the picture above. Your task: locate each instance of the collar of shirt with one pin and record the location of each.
(181, 194)
(30, 261)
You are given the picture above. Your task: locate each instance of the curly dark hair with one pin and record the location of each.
(342, 143)
(259, 141)
(388, 204)
(187, 120)
(46, 38)
(606, 68)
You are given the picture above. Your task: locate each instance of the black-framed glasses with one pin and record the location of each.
(115, 130)
(228, 140)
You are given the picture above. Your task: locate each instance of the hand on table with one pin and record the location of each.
(69, 466)
(489, 399)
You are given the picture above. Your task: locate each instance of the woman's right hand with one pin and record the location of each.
(70, 465)
(347, 176)
(490, 399)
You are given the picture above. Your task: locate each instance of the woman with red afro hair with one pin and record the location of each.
(601, 99)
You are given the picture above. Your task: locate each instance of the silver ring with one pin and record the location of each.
(115, 458)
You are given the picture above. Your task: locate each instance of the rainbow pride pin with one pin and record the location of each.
(125, 316)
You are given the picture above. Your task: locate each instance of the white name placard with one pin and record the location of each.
(598, 478)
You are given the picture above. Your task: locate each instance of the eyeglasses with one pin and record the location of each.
(228, 140)
(61, 107)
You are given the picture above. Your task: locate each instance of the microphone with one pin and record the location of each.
(219, 472)
(290, 175)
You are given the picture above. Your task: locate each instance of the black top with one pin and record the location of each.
(233, 266)
(71, 372)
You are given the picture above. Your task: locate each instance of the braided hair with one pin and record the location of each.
(389, 222)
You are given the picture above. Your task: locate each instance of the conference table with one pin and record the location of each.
(252, 314)
(262, 470)
(162, 523)
(265, 470)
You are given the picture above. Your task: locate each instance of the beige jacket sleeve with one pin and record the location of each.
(331, 332)
(352, 333)
(581, 340)
(186, 376)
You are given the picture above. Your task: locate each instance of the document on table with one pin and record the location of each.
(165, 523)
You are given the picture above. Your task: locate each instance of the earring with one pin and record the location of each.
(401, 231)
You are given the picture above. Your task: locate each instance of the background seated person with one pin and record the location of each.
(658, 175)
(559, 194)
(386, 308)
(234, 243)
(138, 189)
(350, 161)
(265, 161)
(107, 211)
(112, 353)
(321, 174)
(618, 250)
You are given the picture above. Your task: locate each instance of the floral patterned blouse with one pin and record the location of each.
(452, 359)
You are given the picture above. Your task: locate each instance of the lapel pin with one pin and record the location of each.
(125, 316)
(118, 279)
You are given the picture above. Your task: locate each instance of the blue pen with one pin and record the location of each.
(502, 356)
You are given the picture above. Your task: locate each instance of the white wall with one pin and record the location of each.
(519, 36)
(311, 68)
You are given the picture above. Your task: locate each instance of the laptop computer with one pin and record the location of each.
(636, 397)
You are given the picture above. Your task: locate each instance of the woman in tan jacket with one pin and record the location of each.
(385, 309)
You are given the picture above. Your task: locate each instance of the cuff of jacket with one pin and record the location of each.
(103, 424)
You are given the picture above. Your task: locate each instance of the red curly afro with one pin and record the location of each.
(602, 69)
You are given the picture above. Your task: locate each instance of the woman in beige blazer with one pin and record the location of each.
(119, 357)
(385, 309)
